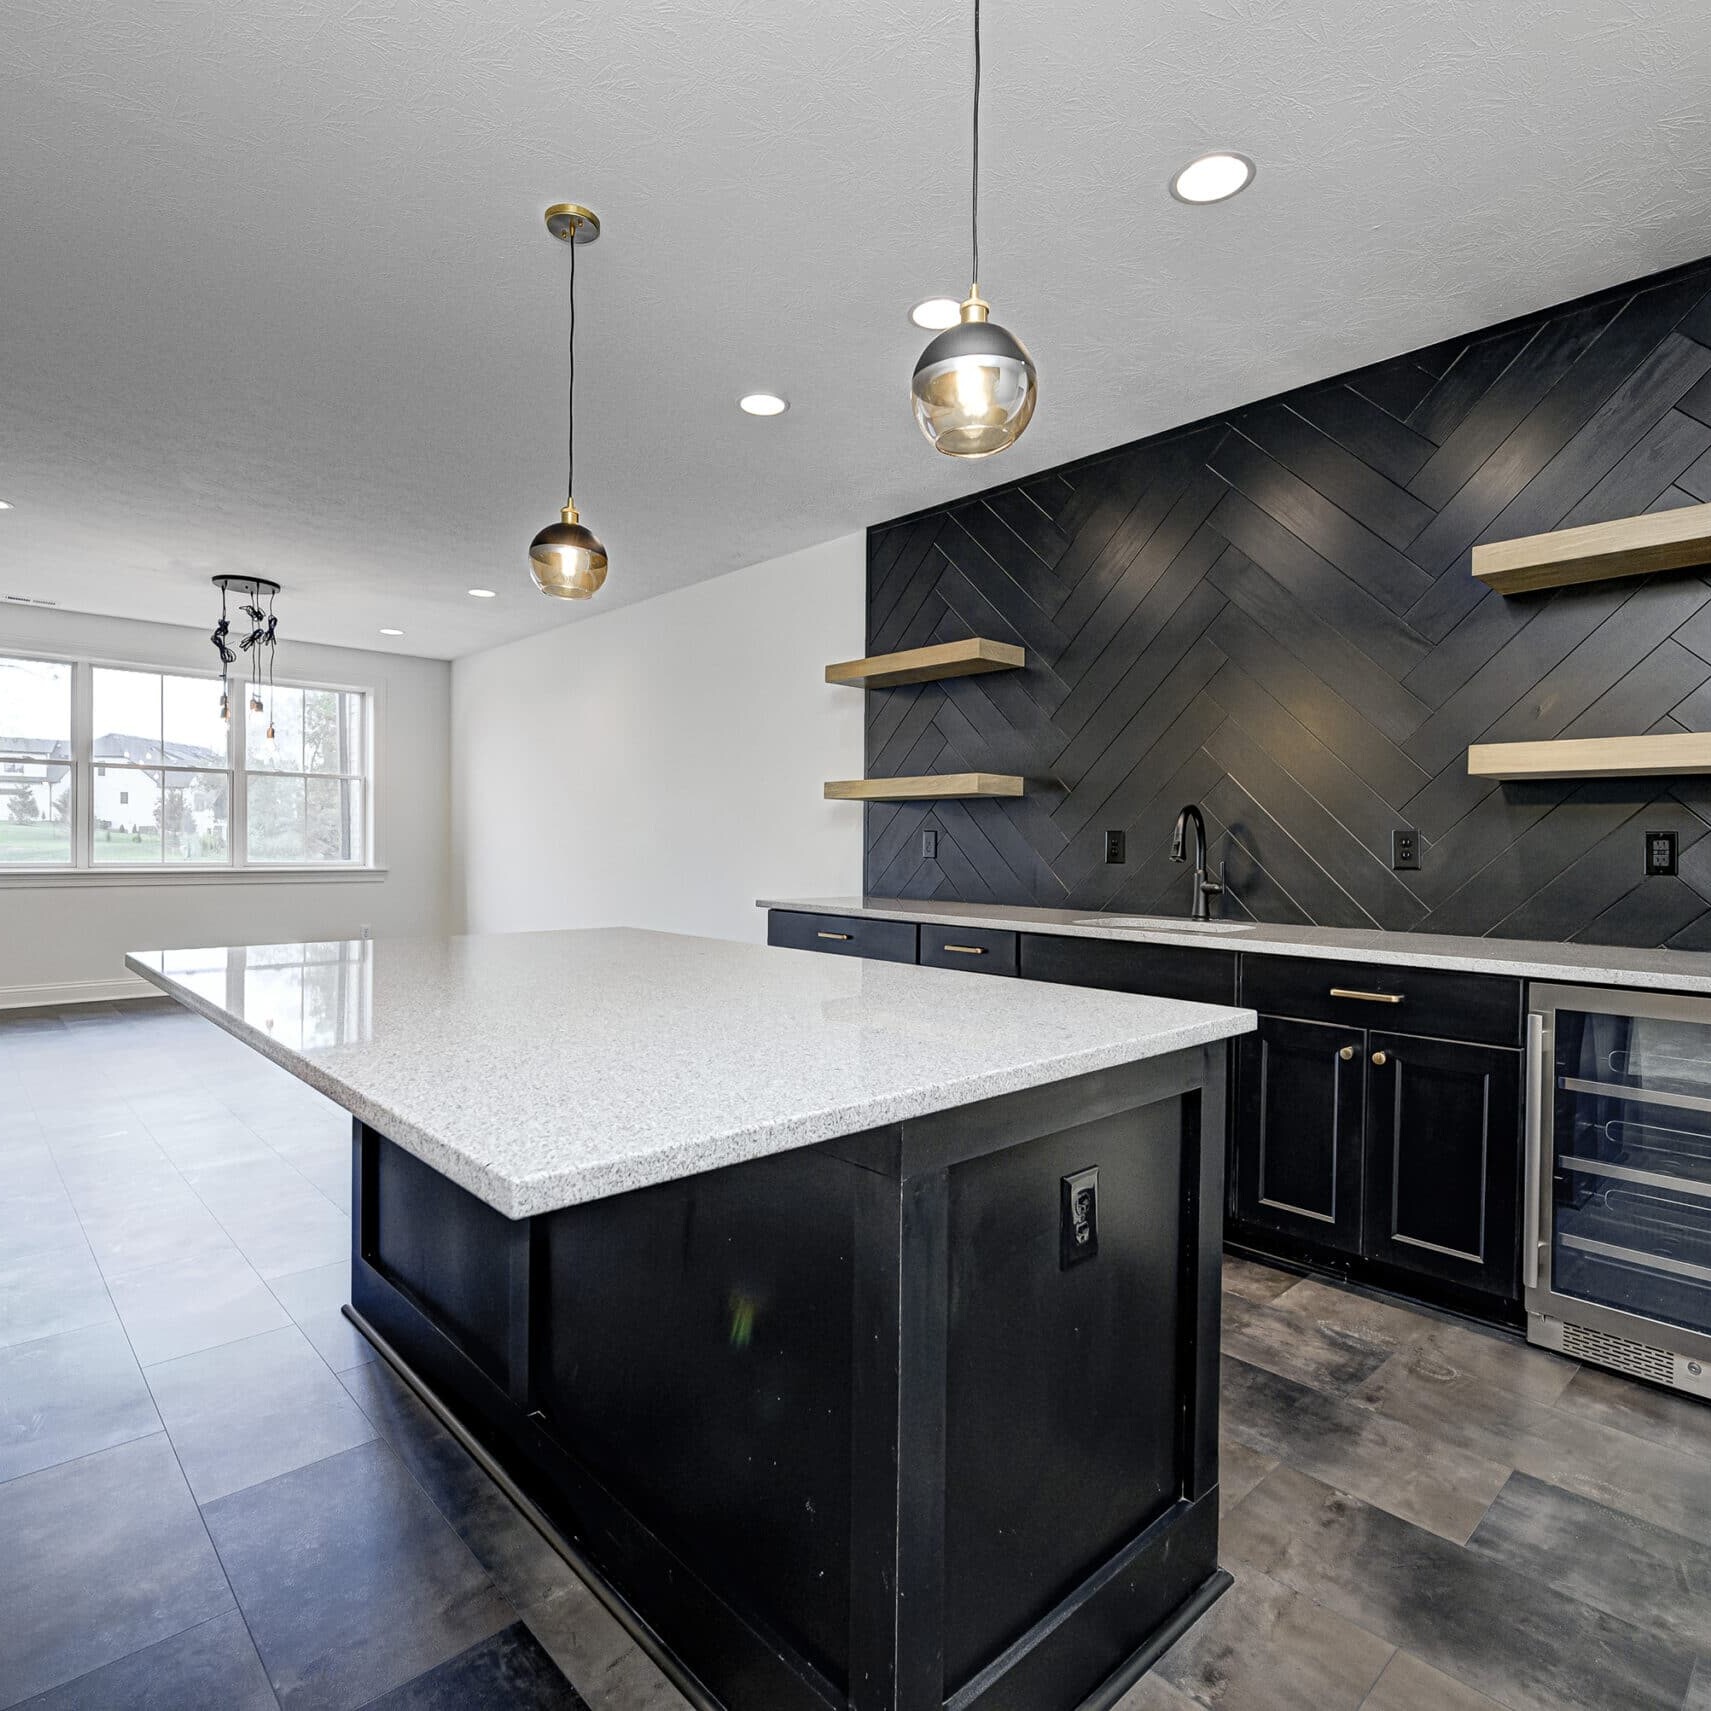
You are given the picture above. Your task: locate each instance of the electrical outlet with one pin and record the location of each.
(1660, 855)
(929, 846)
(1405, 850)
(1116, 847)
(1078, 1217)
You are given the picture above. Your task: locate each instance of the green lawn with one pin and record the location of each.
(38, 841)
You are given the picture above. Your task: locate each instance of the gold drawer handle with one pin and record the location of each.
(831, 935)
(967, 950)
(1369, 997)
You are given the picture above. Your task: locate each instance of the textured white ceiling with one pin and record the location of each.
(275, 294)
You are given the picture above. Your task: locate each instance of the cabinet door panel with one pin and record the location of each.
(1443, 1128)
(1297, 1165)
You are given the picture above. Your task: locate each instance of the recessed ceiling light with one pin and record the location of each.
(1213, 177)
(392, 632)
(936, 313)
(763, 404)
(5, 505)
(482, 594)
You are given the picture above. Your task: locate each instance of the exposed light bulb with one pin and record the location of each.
(255, 703)
(270, 739)
(225, 706)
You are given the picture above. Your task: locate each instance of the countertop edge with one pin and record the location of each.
(550, 1191)
(1610, 970)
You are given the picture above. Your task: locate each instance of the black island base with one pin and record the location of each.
(923, 1417)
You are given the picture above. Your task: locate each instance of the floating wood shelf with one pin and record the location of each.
(923, 665)
(923, 789)
(1632, 546)
(1593, 757)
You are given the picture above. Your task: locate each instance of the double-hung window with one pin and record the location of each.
(106, 766)
(36, 782)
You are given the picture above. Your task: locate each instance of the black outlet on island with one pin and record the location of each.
(1078, 1217)
(1405, 850)
(1116, 847)
(1661, 850)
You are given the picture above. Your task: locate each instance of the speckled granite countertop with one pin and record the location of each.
(539, 1070)
(1595, 965)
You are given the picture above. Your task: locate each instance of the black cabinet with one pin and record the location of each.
(978, 949)
(1297, 1158)
(1393, 1154)
(1442, 1159)
(1158, 971)
(842, 935)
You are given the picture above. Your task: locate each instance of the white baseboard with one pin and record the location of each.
(75, 992)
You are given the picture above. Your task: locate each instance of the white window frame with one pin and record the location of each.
(82, 869)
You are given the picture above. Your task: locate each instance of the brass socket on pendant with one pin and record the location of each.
(570, 222)
(974, 306)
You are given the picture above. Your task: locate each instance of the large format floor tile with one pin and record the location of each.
(247, 1411)
(211, 1667)
(70, 1395)
(45, 1292)
(101, 1557)
(315, 1299)
(194, 1303)
(510, 1670)
(351, 1581)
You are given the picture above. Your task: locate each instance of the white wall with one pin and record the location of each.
(660, 765)
(65, 940)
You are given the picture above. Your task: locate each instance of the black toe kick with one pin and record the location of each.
(866, 1426)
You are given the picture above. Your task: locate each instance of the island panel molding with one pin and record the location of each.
(1594, 757)
(944, 786)
(1630, 546)
(1271, 612)
(924, 665)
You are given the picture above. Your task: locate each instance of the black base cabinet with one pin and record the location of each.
(1375, 1117)
(1388, 1155)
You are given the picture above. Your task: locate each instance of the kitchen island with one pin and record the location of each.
(852, 1326)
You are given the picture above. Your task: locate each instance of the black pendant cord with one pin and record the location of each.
(974, 199)
(570, 411)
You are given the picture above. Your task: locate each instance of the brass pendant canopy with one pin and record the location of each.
(567, 559)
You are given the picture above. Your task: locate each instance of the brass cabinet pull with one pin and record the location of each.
(1380, 1058)
(967, 950)
(1369, 997)
(1347, 1054)
(831, 935)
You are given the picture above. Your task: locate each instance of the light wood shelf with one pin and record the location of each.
(923, 665)
(1594, 757)
(1631, 546)
(949, 784)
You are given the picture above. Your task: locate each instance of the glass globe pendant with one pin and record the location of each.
(974, 388)
(567, 559)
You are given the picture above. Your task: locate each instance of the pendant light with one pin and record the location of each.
(974, 387)
(566, 558)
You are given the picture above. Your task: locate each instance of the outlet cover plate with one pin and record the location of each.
(1405, 850)
(1116, 847)
(1661, 851)
(1078, 1217)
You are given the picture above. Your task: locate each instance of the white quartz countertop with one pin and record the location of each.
(539, 1070)
(1527, 959)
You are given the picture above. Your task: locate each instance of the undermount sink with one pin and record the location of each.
(1165, 923)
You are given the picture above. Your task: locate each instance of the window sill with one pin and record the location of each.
(51, 878)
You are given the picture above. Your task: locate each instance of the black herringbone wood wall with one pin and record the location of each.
(1272, 614)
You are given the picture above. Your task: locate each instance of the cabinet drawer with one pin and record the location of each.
(1439, 1003)
(977, 948)
(842, 935)
(1158, 971)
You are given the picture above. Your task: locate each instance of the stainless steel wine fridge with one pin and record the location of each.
(1616, 1251)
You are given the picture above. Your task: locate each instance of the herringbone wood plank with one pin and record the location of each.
(1273, 614)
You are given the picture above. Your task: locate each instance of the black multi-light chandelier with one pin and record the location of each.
(262, 639)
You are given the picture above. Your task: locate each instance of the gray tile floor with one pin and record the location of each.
(212, 1494)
